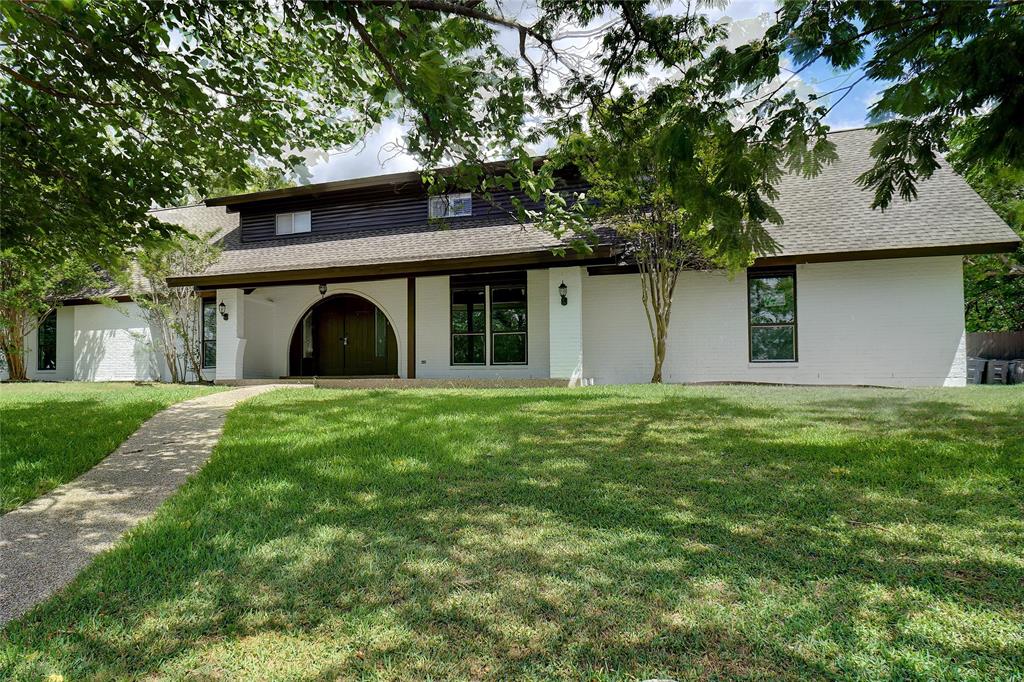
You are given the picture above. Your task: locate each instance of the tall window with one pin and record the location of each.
(209, 337)
(489, 319)
(771, 303)
(46, 342)
(508, 325)
(469, 319)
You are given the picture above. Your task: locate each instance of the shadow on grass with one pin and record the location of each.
(45, 444)
(571, 534)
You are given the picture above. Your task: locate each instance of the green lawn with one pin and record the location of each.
(52, 432)
(606, 533)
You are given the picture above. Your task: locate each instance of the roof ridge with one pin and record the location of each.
(172, 208)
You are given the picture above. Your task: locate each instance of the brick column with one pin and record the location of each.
(230, 334)
(565, 324)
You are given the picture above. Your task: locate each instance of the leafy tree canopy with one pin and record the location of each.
(993, 283)
(109, 107)
(943, 62)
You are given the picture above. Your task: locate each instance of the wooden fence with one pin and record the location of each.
(996, 345)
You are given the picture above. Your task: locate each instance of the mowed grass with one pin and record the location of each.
(52, 432)
(601, 533)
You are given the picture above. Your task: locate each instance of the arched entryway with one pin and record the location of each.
(343, 335)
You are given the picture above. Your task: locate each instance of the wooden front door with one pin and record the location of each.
(353, 338)
(330, 338)
(360, 356)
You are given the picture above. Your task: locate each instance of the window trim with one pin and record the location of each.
(452, 333)
(765, 273)
(525, 333)
(291, 215)
(39, 346)
(212, 302)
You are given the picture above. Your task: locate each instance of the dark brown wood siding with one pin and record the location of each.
(369, 209)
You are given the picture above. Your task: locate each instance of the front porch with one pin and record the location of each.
(510, 328)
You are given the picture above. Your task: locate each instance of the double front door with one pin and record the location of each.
(353, 338)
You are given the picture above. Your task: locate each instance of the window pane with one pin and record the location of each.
(209, 354)
(772, 343)
(508, 348)
(450, 205)
(46, 339)
(508, 309)
(380, 328)
(301, 221)
(209, 320)
(468, 310)
(772, 300)
(468, 349)
(284, 223)
(307, 335)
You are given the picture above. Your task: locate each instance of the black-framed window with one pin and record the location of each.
(771, 307)
(209, 333)
(469, 320)
(508, 325)
(489, 307)
(46, 342)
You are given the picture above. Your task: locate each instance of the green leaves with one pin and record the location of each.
(938, 62)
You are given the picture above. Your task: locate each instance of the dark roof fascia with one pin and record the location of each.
(840, 257)
(233, 202)
(422, 268)
(95, 301)
(881, 254)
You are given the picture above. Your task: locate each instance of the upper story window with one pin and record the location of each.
(46, 342)
(293, 223)
(771, 305)
(451, 205)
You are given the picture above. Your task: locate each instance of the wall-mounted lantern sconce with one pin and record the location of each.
(563, 291)
(323, 290)
(223, 309)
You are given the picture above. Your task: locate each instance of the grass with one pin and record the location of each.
(607, 534)
(52, 432)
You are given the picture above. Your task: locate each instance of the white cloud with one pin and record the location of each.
(381, 151)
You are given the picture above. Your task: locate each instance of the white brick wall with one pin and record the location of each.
(113, 344)
(885, 322)
(566, 323)
(433, 344)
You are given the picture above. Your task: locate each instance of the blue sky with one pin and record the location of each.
(378, 153)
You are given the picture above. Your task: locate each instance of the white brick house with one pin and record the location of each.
(351, 279)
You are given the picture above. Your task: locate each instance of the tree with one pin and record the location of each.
(941, 62)
(993, 284)
(28, 293)
(172, 312)
(111, 107)
(681, 186)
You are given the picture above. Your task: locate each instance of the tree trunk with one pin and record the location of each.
(15, 357)
(660, 344)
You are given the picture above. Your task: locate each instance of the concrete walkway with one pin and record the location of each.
(45, 543)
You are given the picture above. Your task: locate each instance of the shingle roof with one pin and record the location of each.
(828, 214)
(393, 245)
(197, 219)
(832, 214)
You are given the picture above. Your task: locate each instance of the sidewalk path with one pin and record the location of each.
(45, 543)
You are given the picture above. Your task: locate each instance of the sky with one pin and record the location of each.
(380, 152)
